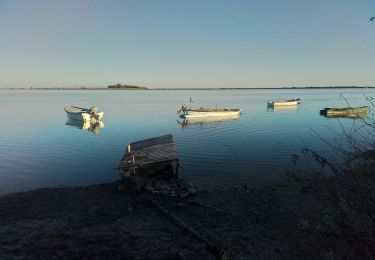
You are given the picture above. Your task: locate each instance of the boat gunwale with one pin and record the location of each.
(285, 101)
(79, 110)
(213, 110)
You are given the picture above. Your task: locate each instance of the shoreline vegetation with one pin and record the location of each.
(308, 216)
(132, 87)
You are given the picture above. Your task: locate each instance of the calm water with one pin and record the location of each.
(38, 148)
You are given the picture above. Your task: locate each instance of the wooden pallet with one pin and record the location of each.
(147, 153)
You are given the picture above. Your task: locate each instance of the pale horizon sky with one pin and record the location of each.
(186, 44)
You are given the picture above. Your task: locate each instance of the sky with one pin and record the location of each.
(187, 43)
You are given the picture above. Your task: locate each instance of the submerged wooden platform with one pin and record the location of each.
(149, 154)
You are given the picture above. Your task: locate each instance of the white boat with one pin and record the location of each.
(290, 102)
(83, 114)
(208, 112)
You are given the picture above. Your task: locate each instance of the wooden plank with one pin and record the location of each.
(157, 153)
(148, 152)
(151, 142)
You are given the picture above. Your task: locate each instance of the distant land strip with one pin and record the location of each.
(325, 87)
(130, 87)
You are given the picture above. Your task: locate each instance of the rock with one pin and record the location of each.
(165, 192)
(161, 185)
(185, 185)
(149, 188)
(172, 194)
(165, 187)
(183, 194)
(192, 190)
(172, 185)
(121, 187)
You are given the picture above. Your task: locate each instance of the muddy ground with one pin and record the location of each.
(285, 221)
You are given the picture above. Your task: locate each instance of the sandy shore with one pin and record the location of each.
(284, 221)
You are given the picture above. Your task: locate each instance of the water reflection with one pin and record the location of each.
(63, 155)
(282, 108)
(206, 120)
(348, 116)
(86, 125)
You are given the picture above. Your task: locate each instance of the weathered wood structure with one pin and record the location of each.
(350, 112)
(148, 156)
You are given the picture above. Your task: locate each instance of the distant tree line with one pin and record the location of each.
(124, 86)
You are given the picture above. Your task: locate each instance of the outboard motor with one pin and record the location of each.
(94, 111)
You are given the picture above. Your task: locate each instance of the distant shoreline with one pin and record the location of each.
(145, 89)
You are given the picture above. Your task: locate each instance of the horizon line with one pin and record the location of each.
(207, 88)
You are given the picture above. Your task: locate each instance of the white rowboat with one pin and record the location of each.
(208, 112)
(83, 114)
(290, 102)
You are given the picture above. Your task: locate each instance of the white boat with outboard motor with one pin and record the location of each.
(289, 102)
(208, 112)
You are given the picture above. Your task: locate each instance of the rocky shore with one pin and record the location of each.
(303, 218)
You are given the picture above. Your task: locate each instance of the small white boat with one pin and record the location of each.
(208, 112)
(290, 102)
(83, 114)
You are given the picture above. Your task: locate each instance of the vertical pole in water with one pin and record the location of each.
(133, 164)
(177, 166)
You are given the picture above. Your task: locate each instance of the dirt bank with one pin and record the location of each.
(289, 221)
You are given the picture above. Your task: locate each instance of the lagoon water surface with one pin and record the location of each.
(39, 148)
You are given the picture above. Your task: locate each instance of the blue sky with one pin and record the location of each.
(191, 43)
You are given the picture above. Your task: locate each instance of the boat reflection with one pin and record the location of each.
(200, 121)
(86, 125)
(362, 115)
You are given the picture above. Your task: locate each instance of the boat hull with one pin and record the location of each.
(215, 119)
(282, 103)
(294, 103)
